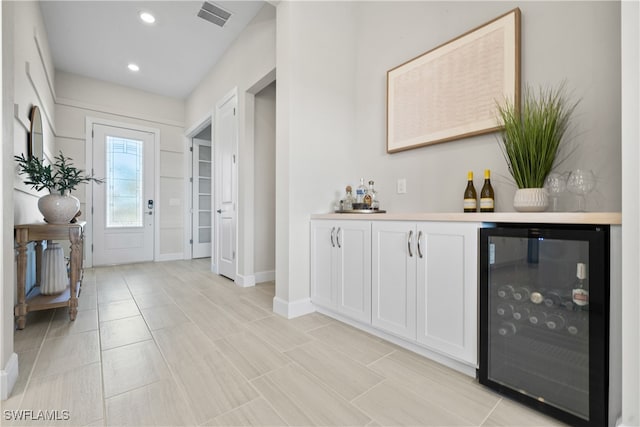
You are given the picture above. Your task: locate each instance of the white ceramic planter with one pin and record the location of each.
(58, 209)
(54, 271)
(531, 200)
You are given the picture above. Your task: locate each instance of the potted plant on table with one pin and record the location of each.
(60, 179)
(532, 140)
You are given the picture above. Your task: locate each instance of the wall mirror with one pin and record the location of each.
(36, 137)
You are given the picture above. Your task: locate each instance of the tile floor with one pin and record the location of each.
(173, 344)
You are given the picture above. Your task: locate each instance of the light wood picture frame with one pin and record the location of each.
(452, 91)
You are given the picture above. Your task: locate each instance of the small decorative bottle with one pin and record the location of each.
(347, 204)
(371, 198)
(470, 195)
(361, 191)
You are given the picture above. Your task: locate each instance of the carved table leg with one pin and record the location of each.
(21, 308)
(75, 236)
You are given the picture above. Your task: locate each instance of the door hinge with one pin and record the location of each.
(91, 133)
(92, 247)
(233, 255)
(191, 149)
(91, 210)
(191, 241)
(234, 159)
(190, 179)
(234, 111)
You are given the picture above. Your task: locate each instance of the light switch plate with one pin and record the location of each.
(402, 186)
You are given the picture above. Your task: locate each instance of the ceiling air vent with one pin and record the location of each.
(213, 13)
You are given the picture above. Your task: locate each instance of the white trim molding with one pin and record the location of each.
(245, 281)
(291, 309)
(265, 276)
(9, 376)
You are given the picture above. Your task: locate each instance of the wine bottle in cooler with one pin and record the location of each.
(487, 201)
(521, 294)
(537, 317)
(552, 299)
(505, 310)
(580, 293)
(505, 291)
(521, 313)
(470, 195)
(555, 321)
(577, 324)
(507, 329)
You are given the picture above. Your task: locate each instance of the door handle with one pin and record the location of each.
(219, 211)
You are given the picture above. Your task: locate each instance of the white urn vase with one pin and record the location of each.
(531, 200)
(58, 209)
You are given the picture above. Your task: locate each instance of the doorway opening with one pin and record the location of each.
(202, 194)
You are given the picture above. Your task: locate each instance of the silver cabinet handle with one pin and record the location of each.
(333, 230)
(409, 243)
(219, 211)
(419, 248)
(338, 238)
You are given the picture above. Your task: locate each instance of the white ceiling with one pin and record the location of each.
(99, 38)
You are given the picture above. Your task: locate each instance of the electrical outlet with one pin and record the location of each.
(402, 186)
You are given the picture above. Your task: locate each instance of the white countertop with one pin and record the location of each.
(614, 218)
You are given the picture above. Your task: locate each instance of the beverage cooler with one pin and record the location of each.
(544, 318)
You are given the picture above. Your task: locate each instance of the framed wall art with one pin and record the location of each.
(451, 91)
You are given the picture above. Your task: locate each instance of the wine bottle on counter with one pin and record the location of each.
(347, 203)
(361, 191)
(487, 200)
(470, 195)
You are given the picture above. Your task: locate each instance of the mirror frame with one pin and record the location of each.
(35, 147)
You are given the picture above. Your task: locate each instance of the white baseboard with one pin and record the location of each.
(170, 257)
(8, 377)
(245, 281)
(265, 276)
(291, 309)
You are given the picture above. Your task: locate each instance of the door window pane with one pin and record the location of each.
(124, 185)
(204, 235)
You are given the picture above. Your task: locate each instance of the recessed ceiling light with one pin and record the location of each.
(147, 17)
(133, 67)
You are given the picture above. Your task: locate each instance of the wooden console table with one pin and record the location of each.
(34, 301)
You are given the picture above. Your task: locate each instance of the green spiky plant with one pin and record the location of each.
(62, 177)
(532, 135)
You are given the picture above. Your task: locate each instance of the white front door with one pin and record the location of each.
(202, 202)
(225, 142)
(124, 206)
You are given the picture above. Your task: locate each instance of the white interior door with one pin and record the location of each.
(124, 206)
(225, 141)
(202, 201)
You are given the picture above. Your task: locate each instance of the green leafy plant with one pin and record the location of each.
(61, 177)
(532, 136)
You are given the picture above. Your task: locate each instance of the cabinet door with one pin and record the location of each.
(323, 247)
(447, 285)
(353, 241)
(394, 278)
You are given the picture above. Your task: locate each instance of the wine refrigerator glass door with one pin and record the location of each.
(544, 318)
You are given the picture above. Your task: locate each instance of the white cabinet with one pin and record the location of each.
(394, 278)
(424, 284)
(447, 283)
(341, 267)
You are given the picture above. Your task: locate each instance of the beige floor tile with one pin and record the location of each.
(355, 344)
(391, 404)
(88, 301)
(79, 392)
(240, 308)
(117, 310)
(157, 404)
(164, 316)
(464, 398)
(135, 365)
(107, 294)
(155, 299)
(255, 413)
(276, 331)
(67, 353)
(177, 289)
(116, 333)
(212, 385)
(26, 362)
(34, 332)
(268, 287)
(86, 320)
(259, 298)
(300, 399)
(344, 375)
(210, 318)
(251, 355)
(310, 321)
(509, 413)
(145, 284)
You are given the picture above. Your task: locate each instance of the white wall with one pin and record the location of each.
(630, 212)
(80, 97)
(246, 62)
(332, 60)
(265, 183)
